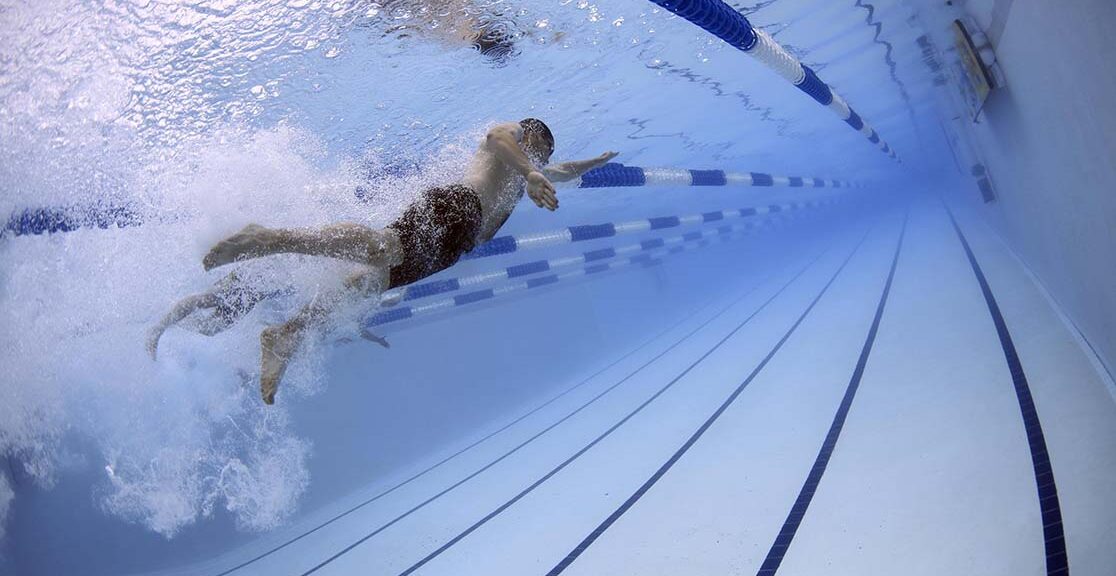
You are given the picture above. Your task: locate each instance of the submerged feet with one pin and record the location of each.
(367, 335)
(277, 346)
(251, 241)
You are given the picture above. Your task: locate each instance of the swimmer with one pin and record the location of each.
(488, 28)
(430, 236)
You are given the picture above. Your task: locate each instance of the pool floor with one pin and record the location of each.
(856, 412)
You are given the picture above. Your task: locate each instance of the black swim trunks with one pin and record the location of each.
(435, 231)
(236, 297)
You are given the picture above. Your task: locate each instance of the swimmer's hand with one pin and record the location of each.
(603, 159)
(541, 191)
(567, 171)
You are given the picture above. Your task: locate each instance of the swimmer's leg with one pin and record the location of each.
(239, 298)
(182, 309)
(279, 343)
(345, 241)
(231, 288)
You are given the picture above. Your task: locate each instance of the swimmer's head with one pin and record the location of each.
(538, 142)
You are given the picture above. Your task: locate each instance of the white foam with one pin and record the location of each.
(186, 437)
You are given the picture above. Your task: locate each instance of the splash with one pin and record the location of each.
(177, 438)
(157, 106)
(186, 436)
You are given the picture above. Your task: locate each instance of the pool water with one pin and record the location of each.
(658, 416)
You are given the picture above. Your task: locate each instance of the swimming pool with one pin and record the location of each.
(710, 363)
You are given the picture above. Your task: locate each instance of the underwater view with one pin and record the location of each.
(624, 287)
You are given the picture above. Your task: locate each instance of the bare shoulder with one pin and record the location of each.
(512, 129)
(486, 173)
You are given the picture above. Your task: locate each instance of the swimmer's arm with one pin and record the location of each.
(567, 171)
(503, 141)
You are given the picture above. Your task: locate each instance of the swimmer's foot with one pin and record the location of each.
(152, 343)
(277, 346)
(252, 241)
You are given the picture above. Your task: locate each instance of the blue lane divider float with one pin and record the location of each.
(614, 175)
(51, 220)
(642, 256)
(405, 312)
(447, 285)
(721, 20)
(34, 221)
(518, 243)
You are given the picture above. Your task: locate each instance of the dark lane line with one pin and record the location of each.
(612, 518)
(479, 441)
(623, 420)
(1057, 560)
(555, 424)
(813, 479)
